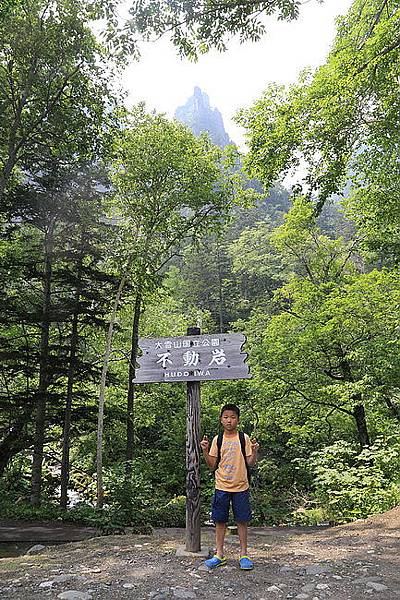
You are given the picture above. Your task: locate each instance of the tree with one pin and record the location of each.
(197, 26)
(169, 187)
(54, 290)
(332, 336)
(342, 121)
(53, 88)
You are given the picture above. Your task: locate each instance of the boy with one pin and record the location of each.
(231, 483)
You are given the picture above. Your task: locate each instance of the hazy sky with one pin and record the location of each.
(236, 78)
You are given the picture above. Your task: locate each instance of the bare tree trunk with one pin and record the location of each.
(70, 386)
(100, 420)
(40, 419)
(361, 422)
(358, 411)
(131, 386)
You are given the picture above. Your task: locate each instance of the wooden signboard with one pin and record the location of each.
(192, 358)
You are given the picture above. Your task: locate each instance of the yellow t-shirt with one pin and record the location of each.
(231, 475)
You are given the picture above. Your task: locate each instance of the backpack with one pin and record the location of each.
(243, 447)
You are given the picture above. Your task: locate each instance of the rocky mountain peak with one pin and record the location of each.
(200, 117)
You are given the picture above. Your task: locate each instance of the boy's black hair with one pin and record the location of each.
(232, 407)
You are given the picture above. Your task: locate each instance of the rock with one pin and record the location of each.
(302, 596)
(74, 595)
(92, 570)
(37, 549)
(203, 568)
(183, 593)
(317, 569)
(308, 588)
(200, 117)
(161, 594)
(165, 591)
(128, 586)
(46, 584)
(377, 587)
(322, 586)
(273, 589)
(285, 569)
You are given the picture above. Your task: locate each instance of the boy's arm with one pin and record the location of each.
(211, 461)
(252, 458)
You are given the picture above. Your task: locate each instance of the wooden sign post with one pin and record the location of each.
(193, 525)
(192, 359)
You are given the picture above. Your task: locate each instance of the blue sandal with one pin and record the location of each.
(214, 562)
(245, 563)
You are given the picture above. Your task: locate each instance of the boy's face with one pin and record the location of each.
(229, 420)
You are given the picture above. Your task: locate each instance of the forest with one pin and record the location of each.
(117, 224)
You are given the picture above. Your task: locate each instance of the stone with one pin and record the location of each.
(46, 584)
(317, 569)
(377, 587)
(159, 595)
(92, 570)
(302, 596)
(128, 586)
(74, 595)
(308, 588)
(285, 569)
(183, 593)
(273, 589)
(322, 586)
(36, 549)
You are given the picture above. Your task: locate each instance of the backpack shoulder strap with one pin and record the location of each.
(242, 444)
(243, 447)
(220, 439)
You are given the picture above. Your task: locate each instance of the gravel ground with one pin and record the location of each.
(356, 561)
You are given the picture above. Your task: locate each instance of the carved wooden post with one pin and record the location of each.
(193, 541)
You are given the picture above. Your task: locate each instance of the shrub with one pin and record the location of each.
(351, 485)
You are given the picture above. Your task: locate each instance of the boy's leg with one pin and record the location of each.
(220, 529)
(220, 514)
(242, 531)
(242, 512)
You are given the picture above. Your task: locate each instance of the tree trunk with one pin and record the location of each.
(40, 419)
(70, 386)
(358, 409)
(100, 419)
(361, 422)
(131, 386)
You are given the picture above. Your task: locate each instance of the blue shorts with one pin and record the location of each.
(240, 504)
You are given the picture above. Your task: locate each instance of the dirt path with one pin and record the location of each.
(351, 562)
